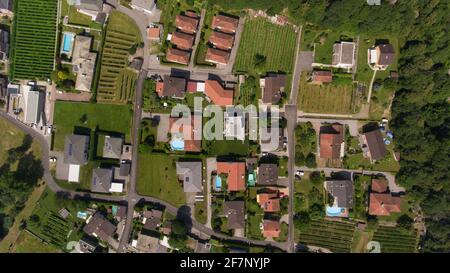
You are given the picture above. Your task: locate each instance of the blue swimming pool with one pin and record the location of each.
(68, 39)
(218, 183)
(177, 145)
(334, 211)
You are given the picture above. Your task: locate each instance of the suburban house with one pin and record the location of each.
(99, 227)
(76, 148)
(152, 220)
(172, 87)
(83, 61)
(271, 228)
(186, 24)
(221, 40)
(195, 86)
(154, 33)
(373, 145)
(146, 6)
(186, 134)
(342, 192)
(267, 174)
(320, 77)
(235, 213)
(92, 8)
(234, 123)
(273, 86)
(112, 147)
(101, 180)
(87, 244)
(178, 56)
(34, 105)
(344, 54)
(191, 175)
(182, 40)
(4, 45)
(382, 55)
(235, 172)
(225, 23)
(381, 200)
(217, 56)
(269, 201)
(147, 242)
(218, 94)
(6, 7)
(332, 145)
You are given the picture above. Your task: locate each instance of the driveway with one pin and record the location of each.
(352, 124)
(211, 165)
(306, 60)
(163, 127)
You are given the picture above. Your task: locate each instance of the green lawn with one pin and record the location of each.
(157, 177)
(12, 137)
(276, 43)
(227, 147)
(116, 118)
(28, 243)
(77, 18)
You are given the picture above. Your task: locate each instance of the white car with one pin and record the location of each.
(300, 173)
(52, 159)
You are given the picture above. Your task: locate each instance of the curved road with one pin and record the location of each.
(132, 197)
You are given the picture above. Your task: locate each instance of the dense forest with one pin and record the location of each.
(420, 111)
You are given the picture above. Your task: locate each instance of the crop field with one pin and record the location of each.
(335, 236)
(330, 99)
(116, 83)
(33, 41)
(394, 240)
(276, 43)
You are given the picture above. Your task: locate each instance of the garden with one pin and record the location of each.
(33, 39)
(116, 81)
(265, 47)
(395, 240)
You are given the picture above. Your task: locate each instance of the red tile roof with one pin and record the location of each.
(190, 145)
(153, 33)
(217, 56)
(159, 88)
(191, 86)
(330, 143)
(221, 40)
(182, 40)
(235, 172)
(322, 76)
(177, 56)
(186, 24)
(271, 228)
(225, 23)
(219, 96)
(383, 204)
(269, 202)
(379, 185)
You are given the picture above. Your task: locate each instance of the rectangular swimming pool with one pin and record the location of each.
(68, 39)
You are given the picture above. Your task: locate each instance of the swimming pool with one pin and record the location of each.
(251, 180)
(334, 211)
(68, 39)
(218, 182)
(177, 144)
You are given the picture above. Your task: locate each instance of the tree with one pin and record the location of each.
(310, 161)
(405, 222)
(83, 119)
(299, 159)
(302, 220)
(316, 178)
(178, 236)
(259, 60)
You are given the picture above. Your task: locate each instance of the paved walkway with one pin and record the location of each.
(211, 165)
